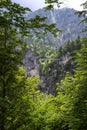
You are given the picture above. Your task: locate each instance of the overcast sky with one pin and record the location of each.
(37, 4)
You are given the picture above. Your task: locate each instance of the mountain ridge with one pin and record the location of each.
(66, 20)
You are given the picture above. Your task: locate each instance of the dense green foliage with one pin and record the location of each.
(22, 105)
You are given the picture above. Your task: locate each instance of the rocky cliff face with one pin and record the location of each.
(47, 82)
(31, 64)
(32, 67)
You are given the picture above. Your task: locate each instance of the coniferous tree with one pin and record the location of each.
(13, 83)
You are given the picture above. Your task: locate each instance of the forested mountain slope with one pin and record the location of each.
(50, 63)
(66, 20)
(45, 56)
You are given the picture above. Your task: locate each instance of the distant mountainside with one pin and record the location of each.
(47, 60)
(66, 20)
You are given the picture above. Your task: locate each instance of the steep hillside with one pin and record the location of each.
(50, 63)
(45, 57)
(67, 21)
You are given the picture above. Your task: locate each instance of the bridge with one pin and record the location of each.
(53, 59)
